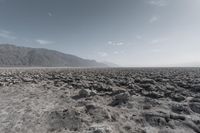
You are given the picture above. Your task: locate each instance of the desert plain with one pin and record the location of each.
(100, 100)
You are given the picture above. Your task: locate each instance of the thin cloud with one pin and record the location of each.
(157, 41)
(156, 50)
(153, 19)
(115, 43)
(118, 52)
(158, 3)
(139, 37)
(7, 35)
(43, 42)
(103, 54)
(50, 14)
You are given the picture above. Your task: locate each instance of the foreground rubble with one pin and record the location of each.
(114, 100)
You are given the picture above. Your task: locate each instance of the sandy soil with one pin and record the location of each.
(118, 100)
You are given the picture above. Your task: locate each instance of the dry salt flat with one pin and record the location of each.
(100, 100)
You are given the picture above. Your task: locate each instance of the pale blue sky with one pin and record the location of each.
(125, 32)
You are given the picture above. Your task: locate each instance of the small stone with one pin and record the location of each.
(177, 97)
(2, 84)
(155, 119)
(68, 119)
(27, 80)
(101, 129)
(84, 93)
(120, 98)
(195, 107)
(180, 109)
(98, 113)
(148, 87)
(153, 94)
(196, 88)
(147, 81)
(93, 93)
(170, 87)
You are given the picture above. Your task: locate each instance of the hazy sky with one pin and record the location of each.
(125, 32)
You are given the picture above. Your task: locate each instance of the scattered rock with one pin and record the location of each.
(84, 92)
(192, 125)
(100, 129)
(195, 88)
(98, 113)
(195, 107)
(177, 98)
(180, 109)
(121, 98)
(155, 120)
(147, 81)
(177, 117)
(148, 87)
(153, 94)
(27, 79)
(65, 119)
(170, 87)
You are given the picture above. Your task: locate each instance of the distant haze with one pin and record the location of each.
(130, 33)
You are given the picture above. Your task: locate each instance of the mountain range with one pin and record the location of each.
(17, 56)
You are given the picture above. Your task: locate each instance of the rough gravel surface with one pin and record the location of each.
(109, 100)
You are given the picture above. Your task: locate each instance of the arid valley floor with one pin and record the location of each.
(109, 100)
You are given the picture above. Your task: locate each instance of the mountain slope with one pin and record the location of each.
(110, 64)
(14, 56)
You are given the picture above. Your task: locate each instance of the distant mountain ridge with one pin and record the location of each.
(17, 56)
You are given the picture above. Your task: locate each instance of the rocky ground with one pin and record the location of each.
(119, 100)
